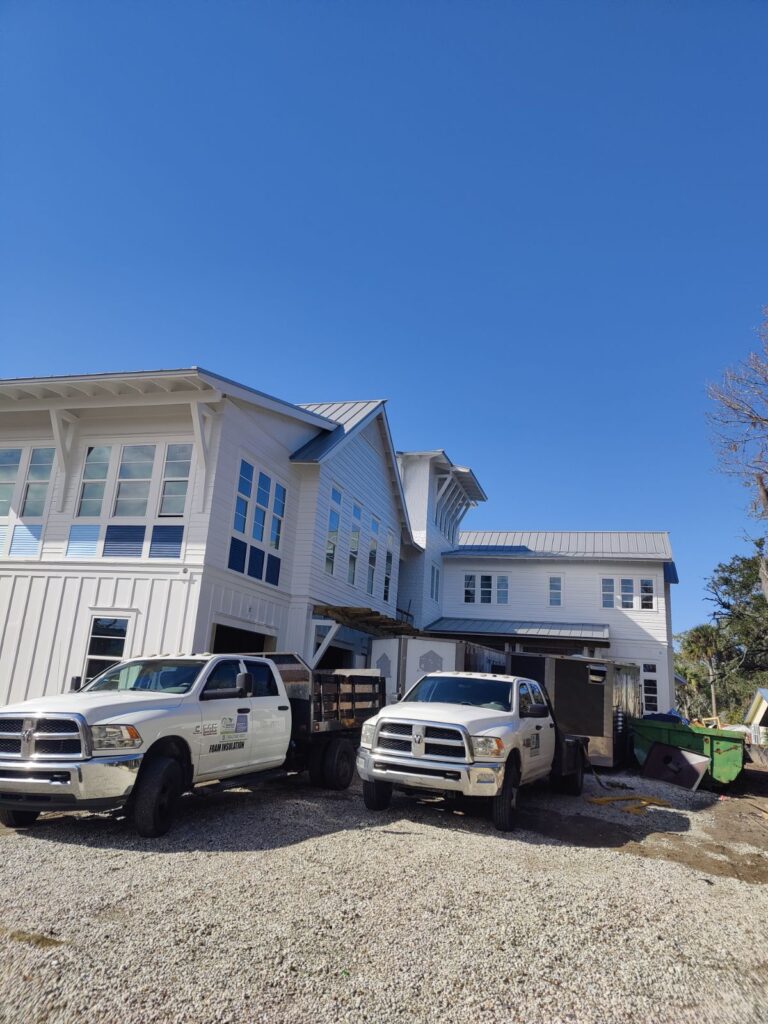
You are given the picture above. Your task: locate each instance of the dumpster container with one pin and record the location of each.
(724, 749)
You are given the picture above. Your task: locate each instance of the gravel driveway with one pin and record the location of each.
(288, 904)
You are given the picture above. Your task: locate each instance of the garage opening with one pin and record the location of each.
(230, 640)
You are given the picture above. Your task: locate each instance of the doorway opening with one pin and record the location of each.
(230, 640)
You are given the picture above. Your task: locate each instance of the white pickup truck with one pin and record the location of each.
(145, 731)
(468, 733)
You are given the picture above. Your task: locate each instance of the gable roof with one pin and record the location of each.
(643, 546)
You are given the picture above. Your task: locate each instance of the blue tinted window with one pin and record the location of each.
(273, 570)
(166, 541)
(265, 486)
(245, 483)
(256, 563)
(237, 552)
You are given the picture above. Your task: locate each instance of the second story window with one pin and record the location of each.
(627, 593)
(133, 479)
(486, 589)
(354, 544)
(372, 555)
(555, 591)
(94, 480)
(9, 468)
(434, 583)
(38, 478)
(173, 497)
(332, 538)
(469, 589)
(278, 511)
(646, 595)
(502, 589)
(608, 593)
(388, 566)
(244, 490)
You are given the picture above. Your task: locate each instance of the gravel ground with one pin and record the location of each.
(293, 905)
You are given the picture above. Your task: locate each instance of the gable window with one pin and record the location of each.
(94, 480)
(278, 511)
(134, 477)
(244, 489)
(106, 645)
(502, 589)
(608, 593)
(38, 478)
(646, 595)
(372, 554)
(388, 566)
(627, 593)
(486, 589)
(9, 468)
(469, 589)
(255, 492)
(332, 538)
(354, 544)
(555, 591)
(173, 497)
(434, 583)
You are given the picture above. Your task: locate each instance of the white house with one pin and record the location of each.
(178, 511)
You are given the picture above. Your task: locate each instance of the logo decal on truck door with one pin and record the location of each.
(532, 742)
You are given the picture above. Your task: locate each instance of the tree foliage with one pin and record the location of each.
(730, 652)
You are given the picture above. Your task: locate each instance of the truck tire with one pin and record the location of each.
(573, 784)
(339, 764)
(505, 802)
(17, 819)
(377, 796)
(158, 789)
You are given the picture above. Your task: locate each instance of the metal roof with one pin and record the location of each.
(505, 627)
(347, 416)
(559, 544)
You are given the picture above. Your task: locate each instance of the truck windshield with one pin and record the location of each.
(158, 676)
(479, 693)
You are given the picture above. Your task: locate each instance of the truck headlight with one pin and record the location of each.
(366, 736)
(487, 746)
(114, 737)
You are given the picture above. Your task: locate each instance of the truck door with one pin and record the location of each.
(531, 754)
(271, 716)
(546, 729)
(226, 743)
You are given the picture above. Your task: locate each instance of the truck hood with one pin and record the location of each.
(476, 720)
(99, 706)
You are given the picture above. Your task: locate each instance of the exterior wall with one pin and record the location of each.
(639, 636)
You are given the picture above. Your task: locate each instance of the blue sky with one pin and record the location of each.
(537, 228)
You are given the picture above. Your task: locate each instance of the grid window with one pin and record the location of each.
(9, 468)
(650, 695)
(555, 591)
(627, 593)
(94, 480)
(106, 645)
(259, 519)
(245, 480)
(646, 594)
(469, 589)
(372, 555)
(241, 514)
(357, 512)
(134, 478)
(38, 478)
(388, 566)
(178, 460)
(244, 490)
(486, 589)
(502, 589)
(263, 490)
(608, 593)
(278, 511)
(332, 537)
(354, 553)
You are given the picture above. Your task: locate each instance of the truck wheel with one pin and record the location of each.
(158, 790)
(17, 819)
(574, 783)
(505, 803)
(339, 764)
(377, 796)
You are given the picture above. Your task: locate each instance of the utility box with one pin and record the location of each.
(590, 697)
(403, 660)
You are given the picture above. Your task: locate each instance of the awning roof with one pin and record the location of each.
(366, 620)
(504, 627)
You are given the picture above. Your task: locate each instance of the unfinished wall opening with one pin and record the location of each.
(231, 640)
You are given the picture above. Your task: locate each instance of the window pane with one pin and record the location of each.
(174, 498)
(265, 486)
(34, 500)
(6, 491)
(97, 463)
(259, 518)
(336, 495)
(485, 589)
(245, 482)
(40, 464)
(274, 537)
(178, 459)
(241, 514)
(9, 463)
(132, 498)
(137, 461)
(90, 499)
(279, 499)
(469, 589)
(357, 512)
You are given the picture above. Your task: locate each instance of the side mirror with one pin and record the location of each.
(535, 711)
(75, 683)
(245, 683)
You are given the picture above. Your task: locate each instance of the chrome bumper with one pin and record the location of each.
(481, 779)
(99, 782)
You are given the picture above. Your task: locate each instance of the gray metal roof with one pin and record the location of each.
(347, 416)
(504, 627)
(559, 544)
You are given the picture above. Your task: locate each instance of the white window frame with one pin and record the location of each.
(559, 590)
(265, 543)
(98, 612)
(470, 586)
(14, 517)
(498, 588)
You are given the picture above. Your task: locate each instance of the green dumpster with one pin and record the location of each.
(724, 749)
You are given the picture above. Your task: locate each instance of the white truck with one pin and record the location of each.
(145, 731)
(468, 733)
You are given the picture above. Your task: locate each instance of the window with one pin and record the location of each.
(502, 589)
(650, 689)
(627, 593)
(38, 477)
(646, 594)
(262, 492)
(354, 550)
(134, 477)
(256, 492)
(223, 677)
(244, 489)
(536, 694)
(372, 554)
(173, 497)
(332, 538)
(469, 589)
(9, 467)
(486, 589)
(238, 551)
(434, 584)
(388, 566)
(608, 594)
(166, 542)
(555, 591)
(94, 480)
(123, 541)
(278, 511)
(524, 698)
(264, 684)
(106, 645)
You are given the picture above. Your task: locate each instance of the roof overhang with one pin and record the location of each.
(366, 620)
(596, 634)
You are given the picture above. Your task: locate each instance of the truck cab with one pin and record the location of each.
(474, 734)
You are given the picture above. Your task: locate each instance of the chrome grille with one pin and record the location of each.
(41, 738)
(386, 743)
(422, 739)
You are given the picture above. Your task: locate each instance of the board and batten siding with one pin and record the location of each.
(46, 615)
